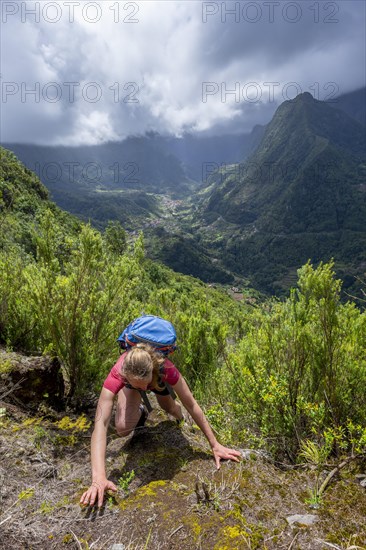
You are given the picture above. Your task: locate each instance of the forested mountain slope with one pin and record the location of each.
(300, 196)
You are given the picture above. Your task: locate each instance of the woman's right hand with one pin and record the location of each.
(96, 491)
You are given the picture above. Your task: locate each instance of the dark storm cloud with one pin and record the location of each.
(277, 31)
(110, 69)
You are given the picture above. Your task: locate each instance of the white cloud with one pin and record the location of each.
(161, 60)
(92, 129)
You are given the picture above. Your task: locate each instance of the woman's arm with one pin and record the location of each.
(188, 401)
(100, 482)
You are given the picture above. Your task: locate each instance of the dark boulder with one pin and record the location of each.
(31, 380)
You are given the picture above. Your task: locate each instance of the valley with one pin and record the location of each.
(245, 210)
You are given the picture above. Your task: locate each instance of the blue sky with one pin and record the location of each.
(80, 72)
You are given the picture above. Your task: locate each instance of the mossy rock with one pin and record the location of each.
(32, 380)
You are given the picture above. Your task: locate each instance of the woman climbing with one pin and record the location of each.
(139, 369)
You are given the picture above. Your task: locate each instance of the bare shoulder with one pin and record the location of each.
(106, 396)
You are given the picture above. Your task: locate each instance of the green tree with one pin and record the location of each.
(115, 237)
(79, 306)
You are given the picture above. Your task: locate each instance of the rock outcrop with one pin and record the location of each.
(31, 380)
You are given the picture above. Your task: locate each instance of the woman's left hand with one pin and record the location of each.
(223, 453)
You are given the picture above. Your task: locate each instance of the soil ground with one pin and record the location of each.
(175, 500)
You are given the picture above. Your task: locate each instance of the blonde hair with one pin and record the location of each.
(141, 361)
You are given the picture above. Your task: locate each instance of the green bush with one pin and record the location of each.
(18, 319)
(301, 368)
(78, 302)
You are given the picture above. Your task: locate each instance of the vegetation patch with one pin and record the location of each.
(282, 380)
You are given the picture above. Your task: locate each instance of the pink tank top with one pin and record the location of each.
(115, 381)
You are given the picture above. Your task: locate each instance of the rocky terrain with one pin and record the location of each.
(169, 495)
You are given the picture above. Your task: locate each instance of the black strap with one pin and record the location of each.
(171, 391)
(146, 400)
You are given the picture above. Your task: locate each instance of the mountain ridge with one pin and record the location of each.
(306, 177)
(290, 140)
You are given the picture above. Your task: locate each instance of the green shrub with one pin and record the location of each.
(301, 367)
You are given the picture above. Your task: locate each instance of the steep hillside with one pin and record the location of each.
(23, 198)
(184, 254)
(131, 208)
(301, 195)
(170, 496)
